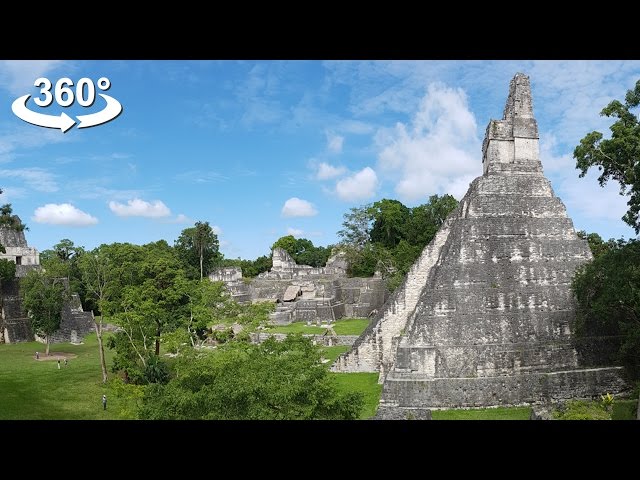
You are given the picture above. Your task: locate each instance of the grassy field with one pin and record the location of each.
(345, 326)
(351, 326)
(331, 353)
(33, 390)
(367, 383)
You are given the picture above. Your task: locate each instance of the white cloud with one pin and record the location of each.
(327, 171)
(63, 214)
(551, 161)
(296, 207)
(140, 208)
(18, 76)
(216, 229)
(334, 142)
(438, 152)
(35, 178)
(359, 186)
(294, 231)
(584, 196)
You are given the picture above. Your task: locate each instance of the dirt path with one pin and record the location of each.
(55, 356)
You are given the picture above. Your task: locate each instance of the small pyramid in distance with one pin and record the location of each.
(485, 315)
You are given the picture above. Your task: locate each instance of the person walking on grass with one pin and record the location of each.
(58, 364)
(65, 362)
(104, 402)
(37, 355)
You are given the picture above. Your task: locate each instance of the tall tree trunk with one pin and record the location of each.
(47, 340)
(103, 363)
(201, 262)
(158, 331)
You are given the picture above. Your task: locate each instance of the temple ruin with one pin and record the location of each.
(305, 293)
(485, 315)
(14, 322)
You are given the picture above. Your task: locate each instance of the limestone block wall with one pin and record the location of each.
(373, 351)
(14, 324)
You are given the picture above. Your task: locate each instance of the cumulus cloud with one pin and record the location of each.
(327, 171)
(334, 142)
(294, 231)
(296, 207)
(359, 186)
(140, 208)
(438, 151)
(63, 214)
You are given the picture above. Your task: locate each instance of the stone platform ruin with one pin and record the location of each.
(485, 315)
(304, 293)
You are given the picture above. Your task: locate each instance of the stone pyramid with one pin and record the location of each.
(485, 315)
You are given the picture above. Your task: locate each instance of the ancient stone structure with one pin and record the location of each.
(17, 250)
(285, 267)
(232, 277)
(14, 323)
(485, 315)
(306, 293)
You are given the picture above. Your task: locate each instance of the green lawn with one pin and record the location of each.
(351, 326)
(31, 389)
(345, 326)
(366, 383)
(331, 353)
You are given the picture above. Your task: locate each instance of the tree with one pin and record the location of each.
(390, 220)
(147, 298)
(287, 243)
(357, 225)
(43, 298)
(63, 261)
(198, 246)
(303, 251)
(426, 219)
(388, 237)
(271, 381)
(608, 303)
(617, 158)
(7, 270)
(97, 277)
(597, 245)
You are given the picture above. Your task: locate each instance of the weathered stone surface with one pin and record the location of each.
(393, 413)
(14, 323)
(226, 274)
(485, 315)
(17, 250)
(542, 412)
(291, 293)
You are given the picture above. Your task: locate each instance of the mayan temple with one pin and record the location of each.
(14, 322)
(485, 315)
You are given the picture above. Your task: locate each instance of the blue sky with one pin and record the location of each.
(263, 149)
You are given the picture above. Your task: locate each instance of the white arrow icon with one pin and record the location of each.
(108, 113)
(63, 121)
